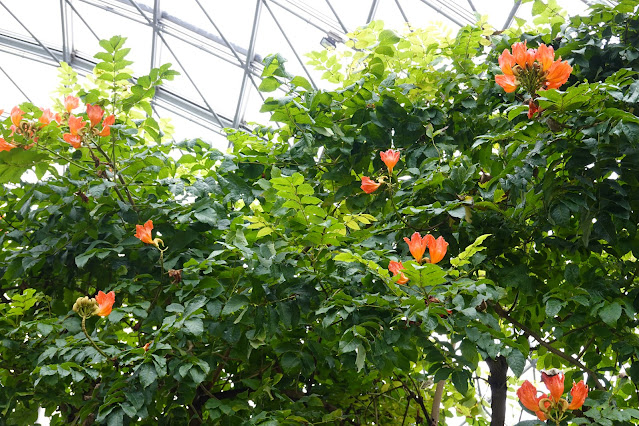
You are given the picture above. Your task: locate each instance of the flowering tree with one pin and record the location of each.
(353, 266)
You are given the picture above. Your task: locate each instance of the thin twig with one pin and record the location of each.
(500, 311)
(406, 411)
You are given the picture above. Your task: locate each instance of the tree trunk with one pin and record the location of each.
(498, 389)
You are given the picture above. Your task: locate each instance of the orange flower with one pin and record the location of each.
(106, 125)
(545, 56)
(144, 232)
(74, 140)
(46, 116)
(554, 382)
(6, 146)
(540, 415)
(558, 74)
(506, 62)
(71, 103)
(16, 116)
(395, 268)
(390, 158)
(508, 82)
(369, 186)
(520, 53)
(105, 303)
(527, 394)
(436, 248)
(95, 113)
(75, 124)
(417, 245)
(579, 393)
(1, 111)
(530, 57)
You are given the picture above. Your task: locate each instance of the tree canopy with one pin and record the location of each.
(272, 283)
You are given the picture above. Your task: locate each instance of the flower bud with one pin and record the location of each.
(544, 405)
(175, 275)
(85, 307)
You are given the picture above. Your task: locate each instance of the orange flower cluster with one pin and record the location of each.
(390, 158)
(29, 129)
(417, 246)
(533, 69)
(77, 126)
(552, 407)
(26, 129)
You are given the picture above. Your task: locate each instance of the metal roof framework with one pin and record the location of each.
(169, 33)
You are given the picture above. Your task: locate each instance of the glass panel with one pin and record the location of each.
(235, 22)
(106, 24)
(218, 81)
(302, 36)
(37, 80)
(45, 24)
(190, 129)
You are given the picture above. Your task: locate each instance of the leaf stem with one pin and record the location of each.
(65, 158)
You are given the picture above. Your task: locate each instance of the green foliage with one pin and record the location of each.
(271, 302)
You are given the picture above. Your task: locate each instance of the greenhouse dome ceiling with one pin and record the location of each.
(217, 47)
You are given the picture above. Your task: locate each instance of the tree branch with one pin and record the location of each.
(500, 311)
(437, 402)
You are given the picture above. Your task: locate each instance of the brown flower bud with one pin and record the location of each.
(175, 275)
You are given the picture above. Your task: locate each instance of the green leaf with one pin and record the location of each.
(621, 114)
(560, 215)
(610, 313)
(147, 374)
(116, 418)
(235, 303)
(300, 81)
(426, 275)
(290, 362)
(516, 362)
(475, 247)
(81, 260)
(264, 232)
(515, 111)
(206, 215)
(553, 306)
(269, 84)
(388, 37)
(196, 303)
(194, 326)
(175, 307)
(106, 45)
(460, 381)
(311, 200)
(361, 357)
